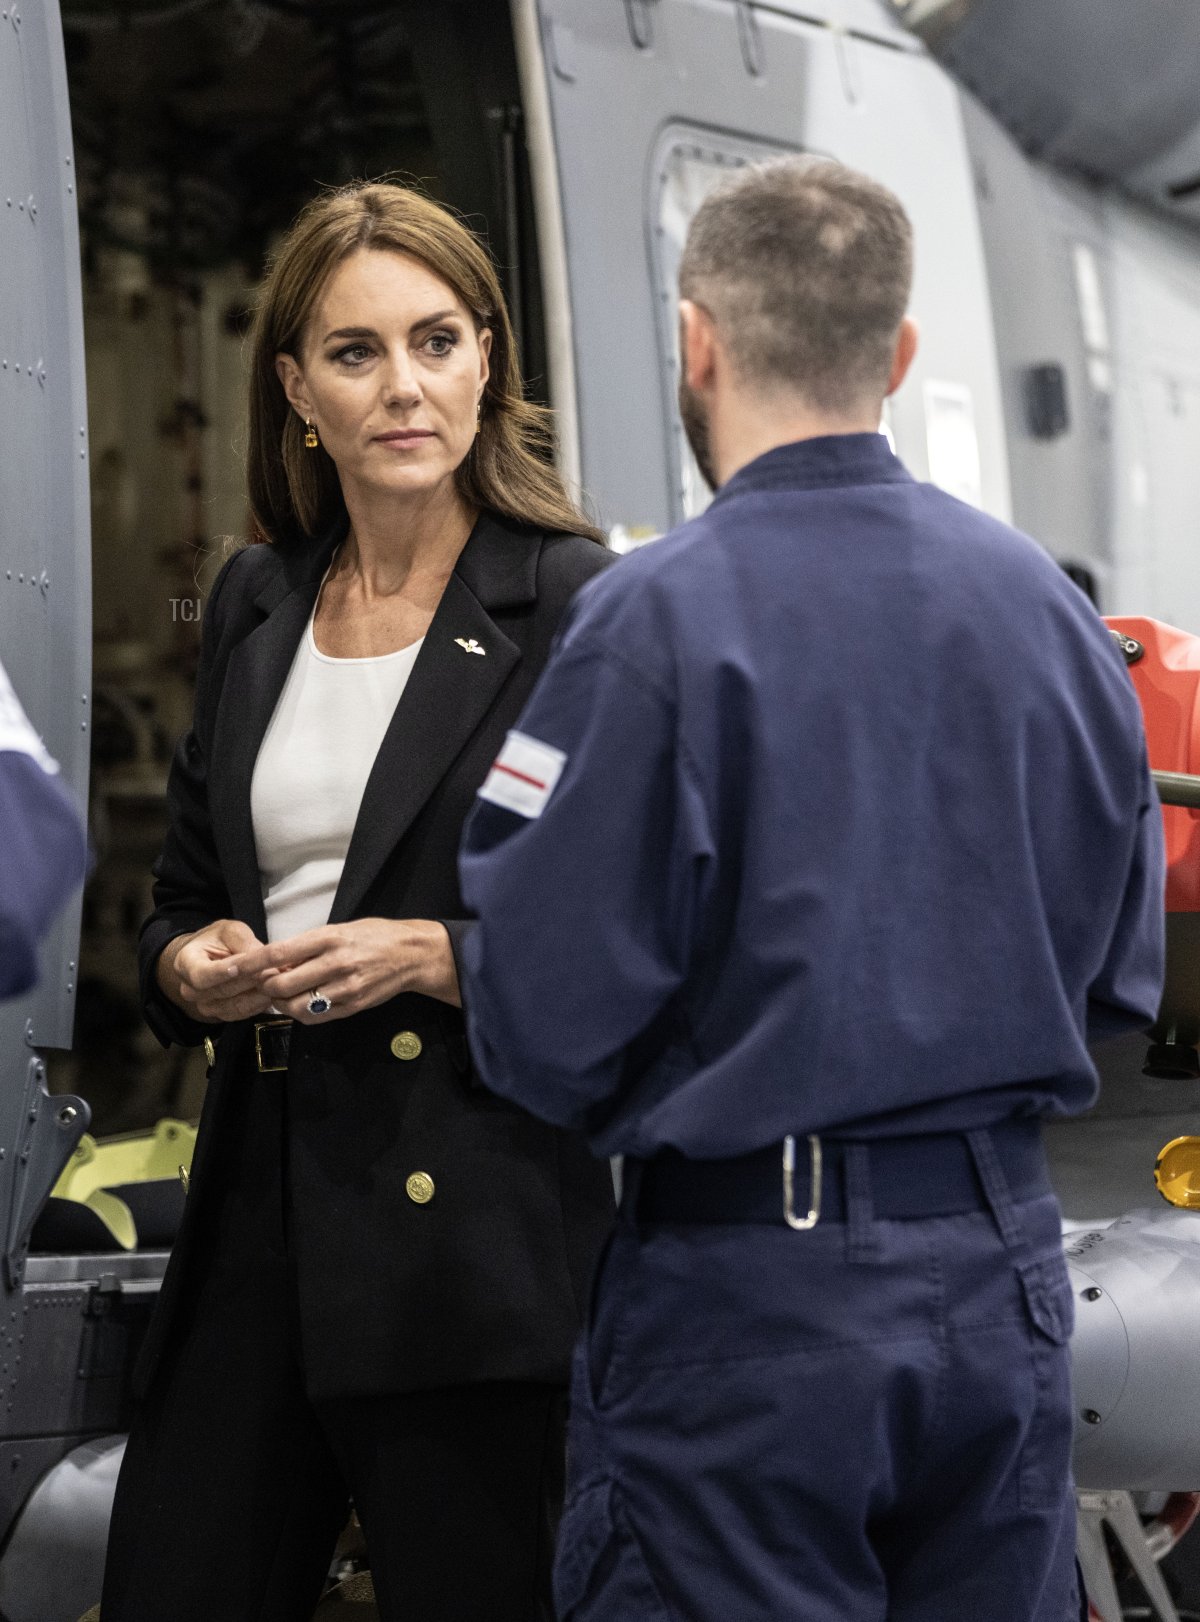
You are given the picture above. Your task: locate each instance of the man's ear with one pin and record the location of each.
(697, 345)
(292, 378)
(902, 356)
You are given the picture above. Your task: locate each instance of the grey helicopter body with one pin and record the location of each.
(1050, 159)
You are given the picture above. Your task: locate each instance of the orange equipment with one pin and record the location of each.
(1165, 666)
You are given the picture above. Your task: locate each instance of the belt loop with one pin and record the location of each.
(995, 1187)
(861, 1240)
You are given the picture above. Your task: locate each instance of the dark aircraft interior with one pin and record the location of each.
(201, 127)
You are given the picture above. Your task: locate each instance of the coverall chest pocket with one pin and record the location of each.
(600, 1570)
(1049, 1305)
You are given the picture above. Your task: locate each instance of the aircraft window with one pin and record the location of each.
(689, 164)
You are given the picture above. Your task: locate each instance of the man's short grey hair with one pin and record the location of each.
(806, 268)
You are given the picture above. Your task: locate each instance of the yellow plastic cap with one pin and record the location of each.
(1177, 1173)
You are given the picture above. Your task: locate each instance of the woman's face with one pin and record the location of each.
(391, 373)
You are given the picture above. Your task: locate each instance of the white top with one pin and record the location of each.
(310, 775)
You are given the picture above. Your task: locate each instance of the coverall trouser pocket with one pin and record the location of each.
(600, 1574)
(1045, 1463)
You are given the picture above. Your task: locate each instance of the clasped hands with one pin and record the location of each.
(224, 972)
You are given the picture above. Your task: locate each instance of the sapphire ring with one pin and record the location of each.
(318, 1003)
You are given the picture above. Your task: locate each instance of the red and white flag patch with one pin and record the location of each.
(523, 776)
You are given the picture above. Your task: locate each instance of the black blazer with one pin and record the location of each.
(486, 1281)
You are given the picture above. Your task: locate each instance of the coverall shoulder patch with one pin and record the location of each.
(523, 775)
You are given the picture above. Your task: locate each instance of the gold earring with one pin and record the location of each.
(310, 438)
(479, 425)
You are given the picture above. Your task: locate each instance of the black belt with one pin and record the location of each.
(933, 1174)
(271, 1040)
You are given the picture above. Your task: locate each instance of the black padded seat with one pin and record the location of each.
(157, 1209)
(66, 1228)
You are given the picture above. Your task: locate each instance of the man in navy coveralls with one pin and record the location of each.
(828, 837)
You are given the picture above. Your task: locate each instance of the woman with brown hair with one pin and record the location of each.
(381, 1268)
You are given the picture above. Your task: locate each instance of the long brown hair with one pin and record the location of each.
(294, 492)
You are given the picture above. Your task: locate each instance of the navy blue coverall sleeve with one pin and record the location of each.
(45, 859)
(1130, 980)
(587, 907)
(44, 844)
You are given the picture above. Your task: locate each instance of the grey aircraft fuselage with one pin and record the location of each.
(1057, 385)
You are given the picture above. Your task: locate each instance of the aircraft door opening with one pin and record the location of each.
(198, 143)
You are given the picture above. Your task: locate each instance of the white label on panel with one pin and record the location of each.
(1092, 315)
(952, 441)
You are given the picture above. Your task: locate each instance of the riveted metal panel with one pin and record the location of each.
(45, 561)
(743, 76)
(1036, 223)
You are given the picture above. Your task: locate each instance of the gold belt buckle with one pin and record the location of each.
(267, 1025)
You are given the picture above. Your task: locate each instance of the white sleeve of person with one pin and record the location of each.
(16, 733)
(523, 775)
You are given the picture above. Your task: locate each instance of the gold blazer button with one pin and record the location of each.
(419, 1188)
(406, 1045)
(210, 1052)
(185, 1177)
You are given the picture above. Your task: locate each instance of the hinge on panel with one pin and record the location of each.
(750, 39)
(49, 1132)
(639, 14)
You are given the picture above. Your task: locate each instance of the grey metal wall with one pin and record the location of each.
(1120, 488)
(1034, 221)
(627, 84)
(45, 558)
